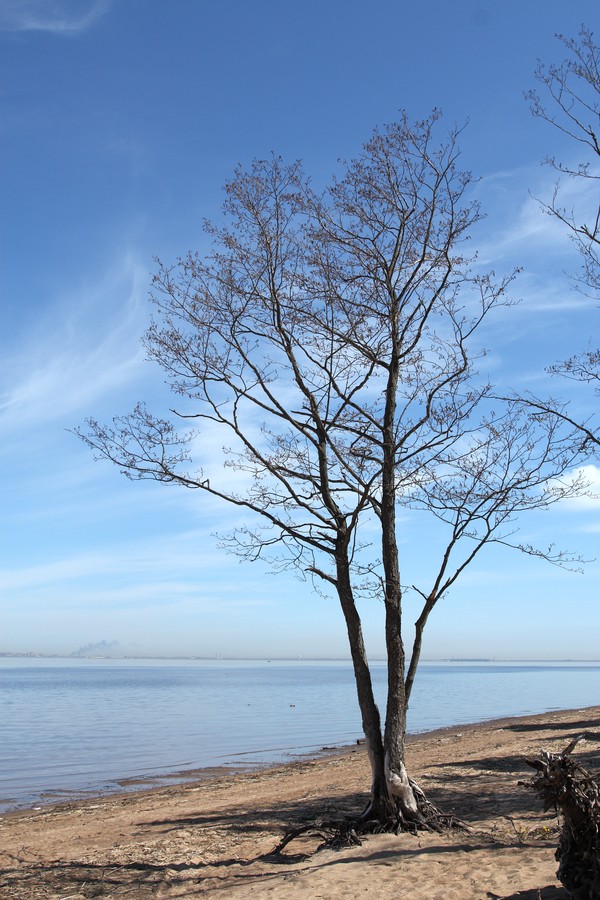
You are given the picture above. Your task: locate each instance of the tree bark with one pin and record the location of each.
(379, 806)
(399, 789)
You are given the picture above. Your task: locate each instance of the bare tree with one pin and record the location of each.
(326, 336)
(571, 104)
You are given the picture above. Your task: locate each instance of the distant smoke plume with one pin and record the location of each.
(101, 648)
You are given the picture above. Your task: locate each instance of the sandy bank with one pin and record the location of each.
(208, 838)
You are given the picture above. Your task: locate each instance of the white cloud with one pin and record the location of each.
(64, 17)
(590, 474)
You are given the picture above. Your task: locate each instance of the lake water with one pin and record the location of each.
(68, 727)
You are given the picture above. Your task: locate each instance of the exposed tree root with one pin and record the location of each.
(337, 834)
(573, 792)
(334, 834)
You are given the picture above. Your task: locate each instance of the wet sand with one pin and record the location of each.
(214, 836)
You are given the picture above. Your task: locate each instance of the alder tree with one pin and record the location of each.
(327, 340)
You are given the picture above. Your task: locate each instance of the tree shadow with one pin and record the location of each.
(475, 801)
(171, 878)
(134, 879)
(142, 879)
(146, 880)
(281, 814)
(474, 790)
(586, 753)
(545, 725)
(550, 892)
(500, 780)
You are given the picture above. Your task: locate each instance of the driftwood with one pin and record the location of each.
(574, 793)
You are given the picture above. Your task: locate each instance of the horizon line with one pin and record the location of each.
(32, 654)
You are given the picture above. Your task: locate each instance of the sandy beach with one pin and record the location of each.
(214, 837)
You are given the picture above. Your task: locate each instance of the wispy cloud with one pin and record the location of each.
(61, 17)
(87, 346)
(519, 231)
(157, 571)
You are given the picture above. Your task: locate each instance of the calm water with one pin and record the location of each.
(72, 726)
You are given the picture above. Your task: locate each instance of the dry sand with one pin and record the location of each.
(212, 837)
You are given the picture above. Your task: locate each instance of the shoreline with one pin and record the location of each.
(213, 836)
(144, 784)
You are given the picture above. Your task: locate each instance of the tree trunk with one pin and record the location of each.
(371, 720)
(392, 795)
(400, 791)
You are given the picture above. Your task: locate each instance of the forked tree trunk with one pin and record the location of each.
(393, 800)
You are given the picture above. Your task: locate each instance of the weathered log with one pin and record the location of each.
(564, 785)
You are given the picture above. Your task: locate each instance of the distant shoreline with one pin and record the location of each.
(26, 654)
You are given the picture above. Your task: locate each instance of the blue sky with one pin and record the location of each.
(120, 121)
